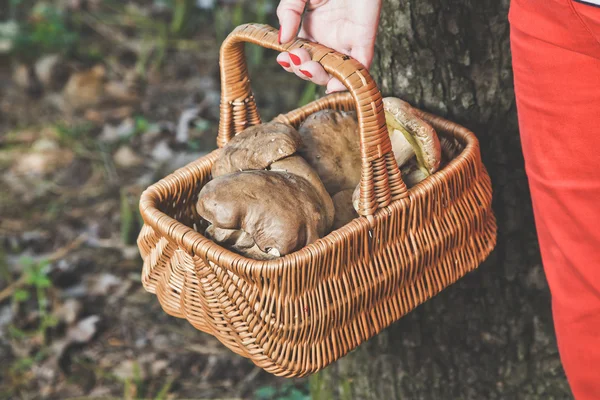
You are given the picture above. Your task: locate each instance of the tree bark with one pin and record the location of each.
(489, 336)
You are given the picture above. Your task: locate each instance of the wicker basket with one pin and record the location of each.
(294, 315)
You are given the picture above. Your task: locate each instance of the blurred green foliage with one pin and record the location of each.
(36, 281)
(44, 30)
(286, 391)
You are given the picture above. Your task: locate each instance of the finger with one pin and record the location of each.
(334, 85)
(298, 57)
(283, 59)
(362, 54)
(315, 72)
(289, 13)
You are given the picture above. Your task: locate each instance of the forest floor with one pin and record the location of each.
(98, 100)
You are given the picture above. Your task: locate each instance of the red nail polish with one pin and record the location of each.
(295, 59)
(306, 73)
(279, 36)
(284, 64)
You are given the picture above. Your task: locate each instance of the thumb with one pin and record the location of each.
(289, 13)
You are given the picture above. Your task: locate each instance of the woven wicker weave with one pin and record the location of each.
(294, 315)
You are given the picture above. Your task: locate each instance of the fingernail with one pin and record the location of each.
(284, 64)
(295, 59)
(279, 36)
(306, 73)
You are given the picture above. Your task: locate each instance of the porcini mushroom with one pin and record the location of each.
(344, 211)
(281, 212)
(240, 242)
(265, 201)
(411, 136)
(415, 144)
(330, 144)
(298, 166)
(256, 148)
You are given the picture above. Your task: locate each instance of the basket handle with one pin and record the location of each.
(381, 182)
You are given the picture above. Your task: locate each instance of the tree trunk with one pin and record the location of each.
(489, 336)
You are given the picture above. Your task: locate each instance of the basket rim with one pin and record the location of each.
(197, 244)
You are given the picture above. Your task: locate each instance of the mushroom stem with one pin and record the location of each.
(404, 150)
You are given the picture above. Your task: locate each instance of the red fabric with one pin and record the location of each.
(556, 62)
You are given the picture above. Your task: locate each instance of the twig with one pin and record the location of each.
(8, 291)
(109, 33)
(63, 251)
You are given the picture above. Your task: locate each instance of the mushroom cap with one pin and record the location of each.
(238, 241)
(256, 148)
(344, 210)
(356, 197)
(331, 145)
(282, 212)
(418, 133)
(298, 166)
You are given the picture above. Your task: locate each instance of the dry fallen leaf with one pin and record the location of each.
(127, 370)
(85, 89)
(68, 311)
(84, 330)
(102, 284)
(52, 71)
(42, 163)
(125, 157)
(118, 92)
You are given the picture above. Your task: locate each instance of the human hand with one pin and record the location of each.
(347, 26)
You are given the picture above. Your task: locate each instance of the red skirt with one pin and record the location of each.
(556, 62)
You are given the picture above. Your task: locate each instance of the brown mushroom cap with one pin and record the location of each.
(418, 133)
(238, 241)
(298, 166)
(330, 144)
(256, 148)
(282, 212)
(356, 197)
(235, 237)
(344, 210)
